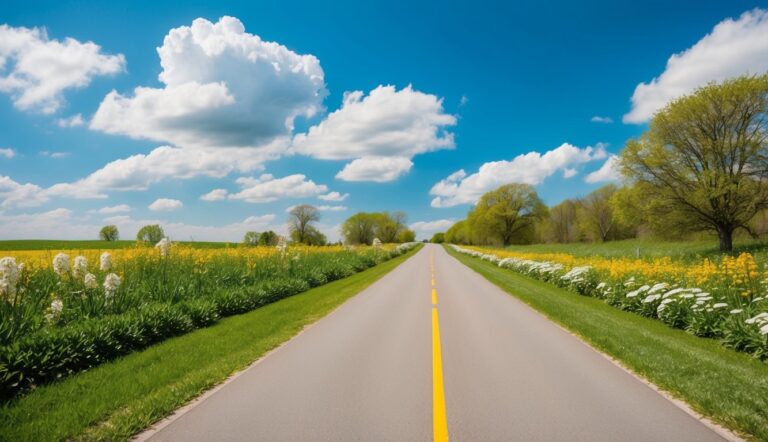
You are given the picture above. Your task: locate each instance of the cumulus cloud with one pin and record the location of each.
(36, 70)
(323, 208)
(13, 194)
(425, 229)
(333, 196)
(609, 171)
(223, 87)
(48, 153)
(532, 168)
(377, 169)
(7, 153)
(733, 48)
(64, 224)
(73, 121)
(386, 123)
(267, 188)
(599, 119)
(110, 210)
(165, 205)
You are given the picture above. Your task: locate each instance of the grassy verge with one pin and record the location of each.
(118, 399)
(729, 387)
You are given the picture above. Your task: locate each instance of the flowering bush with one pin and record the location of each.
(732, 304)
(57, 319)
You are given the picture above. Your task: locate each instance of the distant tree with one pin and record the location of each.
(438, 238)
(563, 223)
(458, 233)
(251, 238)
(596, 214)
(507, 214)
(406, 235)
(703, 163)
(151, 234)
(359, 228)
(300, 220)
(109, 233)
(312, 237)
(268, 238)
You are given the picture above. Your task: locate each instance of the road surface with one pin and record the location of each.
(479, 365)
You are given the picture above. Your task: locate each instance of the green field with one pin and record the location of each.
(684, 250)
(728, 386)
(54, 244)
(117, 399)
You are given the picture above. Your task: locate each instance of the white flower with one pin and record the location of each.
(634, 293)
(376, 242)
(54, 312)
(90, 281)
(673, 292)
(80, 268)
(9, 277)
(61, 264)
(111, 284)
(282, 245)
(736, 311)
(163, 245)
(764, 330)
(762, 317)
(650, 298)
(720, 305)
(105, 262)
(601, 286)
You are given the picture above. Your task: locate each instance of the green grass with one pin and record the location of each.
(729, 387)
(120, 398)
(55, 244)
(648, 248)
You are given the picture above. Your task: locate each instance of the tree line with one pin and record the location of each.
(702, 166)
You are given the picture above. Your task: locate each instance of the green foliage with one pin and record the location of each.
(300, 220)
(703, 162)
(406, 235)
(251, 238)
(506, 215)
(363, 227)
(268, 238)
(311, 237)
(151, 234)
(109, 233)
(438, 238)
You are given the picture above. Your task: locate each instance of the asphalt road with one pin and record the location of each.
(366, 373)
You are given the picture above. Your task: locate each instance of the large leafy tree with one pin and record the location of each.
(268, 238)
(703, 162)
(109, 233)
(151, 233)
(507, 213)
(251, 238)
(300, 220)
(596, 214)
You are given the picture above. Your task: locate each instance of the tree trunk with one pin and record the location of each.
(726, 239)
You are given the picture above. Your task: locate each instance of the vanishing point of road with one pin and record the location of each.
(432, 350)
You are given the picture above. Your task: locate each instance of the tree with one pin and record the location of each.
(406, 235)
(312, 237)
(438, 238)
(268, 238)
(507, 213)
(359, 228)
(151, 233)
(596, 213)
(300, 221)
(458, 233)
(251, 238)
(703, 162)
(563, 225)
(109, 233)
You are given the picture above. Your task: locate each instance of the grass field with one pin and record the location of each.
(729, 387)
(54, 244)
(120, 398)
(684, 250)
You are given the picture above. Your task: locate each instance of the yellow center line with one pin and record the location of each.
(439, 419)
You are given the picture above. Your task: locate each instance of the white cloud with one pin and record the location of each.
(733, 48)
(73, 121)
(377, 169)
(165, 205)
(223, 87)
(331, 208)
(333, 196)
(267, 188)
(599, 119)
(464, 100)
(425, 229)
(36, 70)
(385, 124)
(532, 168)
(48, 153)
(62, 224)
(13, 194)
(7, 153)
(109, 210)
(569, 173)
(609, 171)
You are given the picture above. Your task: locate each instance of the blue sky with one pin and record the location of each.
(493, 90)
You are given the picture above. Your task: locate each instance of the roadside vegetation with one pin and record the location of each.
(728, 386)
(120, 398)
